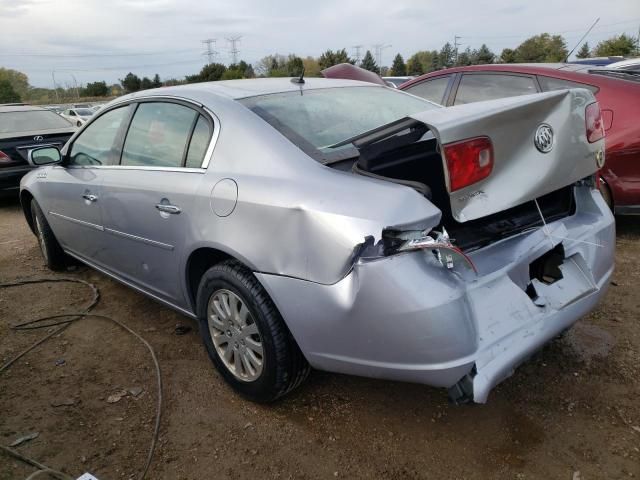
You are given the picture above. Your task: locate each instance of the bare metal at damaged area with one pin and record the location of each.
(300, 227)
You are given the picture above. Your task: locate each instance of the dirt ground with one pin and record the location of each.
(571, 412)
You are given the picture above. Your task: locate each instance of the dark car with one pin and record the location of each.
(22, 128)
(618, 93)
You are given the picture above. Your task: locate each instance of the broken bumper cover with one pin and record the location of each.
(407, 318)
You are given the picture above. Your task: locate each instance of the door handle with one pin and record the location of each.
(172, 209)
(90, 197)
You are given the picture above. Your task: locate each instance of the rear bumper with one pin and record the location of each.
(407, 318)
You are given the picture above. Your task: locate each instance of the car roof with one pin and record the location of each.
(20, 108)
(237, 89)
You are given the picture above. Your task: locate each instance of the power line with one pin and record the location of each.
(211, 52)
(234, 48)
(379, 47)
(358, 48)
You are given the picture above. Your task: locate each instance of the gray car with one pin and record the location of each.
(339, 225)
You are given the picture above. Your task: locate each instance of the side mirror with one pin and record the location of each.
(44, 156)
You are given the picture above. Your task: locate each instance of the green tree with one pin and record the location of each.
(96, 89)
(294, 66)
(541, 48)
(131, 83)
(209, 73)
(368, 63)
(8, 93)
(618, 45)
(483, 56)
(447, 56)
(146, 83)
(156, 82)
(398, 67)
(311, 67)
(419, 63)
(465, 58)
(508, 56)
(330, 58)
(18, 80)
(584, 51)
(435, 61)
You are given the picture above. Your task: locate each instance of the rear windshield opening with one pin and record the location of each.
(316, 120)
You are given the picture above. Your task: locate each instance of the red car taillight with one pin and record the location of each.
(468, 161)
(593, 120)
(5, 159)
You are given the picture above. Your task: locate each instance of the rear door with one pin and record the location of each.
(147, 199)
(73, 190)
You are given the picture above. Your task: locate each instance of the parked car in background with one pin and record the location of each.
(617, 91)
(22, 128)
(631, 64)
(395, 82)
(597, 61)
(312, 222)
(77, 116)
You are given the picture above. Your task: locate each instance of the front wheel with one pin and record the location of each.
(52, 252)
(245, 336)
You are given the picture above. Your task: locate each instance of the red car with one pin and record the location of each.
(618, 94)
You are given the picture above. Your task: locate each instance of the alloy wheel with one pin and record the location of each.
(235, 335)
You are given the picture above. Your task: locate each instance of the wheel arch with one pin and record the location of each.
(25, 201)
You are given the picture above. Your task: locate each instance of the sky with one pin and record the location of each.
(79, 41)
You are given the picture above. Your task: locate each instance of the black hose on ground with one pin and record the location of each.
(45, 322)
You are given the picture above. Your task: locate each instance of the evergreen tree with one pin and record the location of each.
(584, 51)
(483, 56)
(447, 56)
(398, 67)
(156, 81)
(368, 63)
(8, 93)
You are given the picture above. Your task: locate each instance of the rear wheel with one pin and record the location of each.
(245, 336)
(54, 256)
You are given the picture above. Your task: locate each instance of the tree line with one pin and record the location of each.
(14, 85)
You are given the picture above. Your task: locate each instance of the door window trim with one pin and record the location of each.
(212, 120)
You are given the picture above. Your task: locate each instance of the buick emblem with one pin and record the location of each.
(38, 138)
(543, 139)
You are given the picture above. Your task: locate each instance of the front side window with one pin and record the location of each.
(432, 90)
(158, 135)
(315, 120)
(478, 87)
(96, 145)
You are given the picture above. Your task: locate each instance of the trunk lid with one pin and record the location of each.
(521, 171)
(17, 147)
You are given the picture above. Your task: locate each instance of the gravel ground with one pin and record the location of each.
(571, 412)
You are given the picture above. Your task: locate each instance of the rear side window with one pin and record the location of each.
(96, 144)
(550, 83)
(158, 135)
(479, 87)
(432, 90)
(199, 143)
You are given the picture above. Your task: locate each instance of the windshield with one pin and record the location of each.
(84, 112)
(30, 121)
(315, 120)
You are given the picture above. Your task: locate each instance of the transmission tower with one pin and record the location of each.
(233, 49)
(211, 51)
(358, 48)
(379, 47)
(456, 44)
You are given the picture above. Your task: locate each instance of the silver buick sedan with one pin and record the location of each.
(339, 225)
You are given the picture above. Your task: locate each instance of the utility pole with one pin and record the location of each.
(55, 88)
(358, 48)
(211, 52)
(456, 44)
(379, 47)
(75, 83)
(234, 48)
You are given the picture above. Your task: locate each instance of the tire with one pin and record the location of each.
(54, 256)
(283, 366)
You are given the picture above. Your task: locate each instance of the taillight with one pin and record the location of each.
(594, 123)
(468, 161)
(5, 159)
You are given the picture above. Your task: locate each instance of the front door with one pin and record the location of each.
(75, 187)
